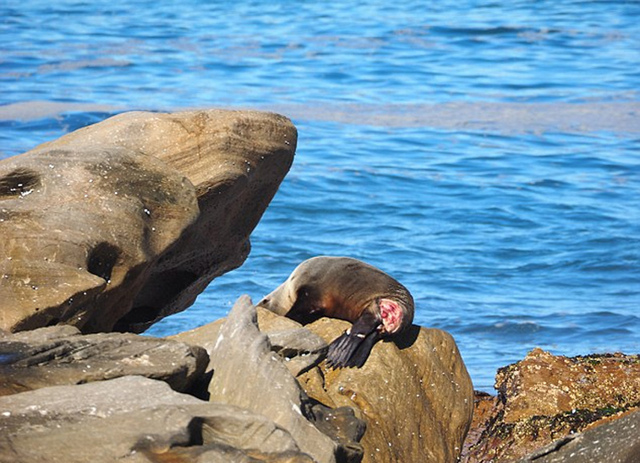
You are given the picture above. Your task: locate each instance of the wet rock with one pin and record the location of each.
(617, 441)
(249, 375)
(134, 419)
(60, 355)
(414, 393)
(546, 397)
(114, 226)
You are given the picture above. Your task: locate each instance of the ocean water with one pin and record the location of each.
(484, 153)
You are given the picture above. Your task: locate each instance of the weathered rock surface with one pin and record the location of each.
(415, 396)
(135, 419)
(414, 393)
(617, 441)
(249, 375)
(121, 223)
(60, 355)
(545, 397)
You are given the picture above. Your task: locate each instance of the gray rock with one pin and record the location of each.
(614, 442)
(300, 348)
(297, 346)
(249, 375)
(60, 355)
(134, 419)
(119, 224)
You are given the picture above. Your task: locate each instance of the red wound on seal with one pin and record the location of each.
(391, 314)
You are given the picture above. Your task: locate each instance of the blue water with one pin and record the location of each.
(485, 153)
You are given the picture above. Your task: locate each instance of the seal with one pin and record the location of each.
(377, 305)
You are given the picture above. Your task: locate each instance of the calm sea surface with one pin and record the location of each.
(484, 153)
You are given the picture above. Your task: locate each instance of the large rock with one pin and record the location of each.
(135, 419)
(415, 395)
(546, 397)
(60, 355)
(121, 223)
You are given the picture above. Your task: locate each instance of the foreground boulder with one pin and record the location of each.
(414, 393)
(546, 397)
(415, 396)
(60, 355)
(135, 419)
(119, 224)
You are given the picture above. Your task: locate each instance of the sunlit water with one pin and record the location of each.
(483, 153)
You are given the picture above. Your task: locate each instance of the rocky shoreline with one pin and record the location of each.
(115, 226)
(545, 401)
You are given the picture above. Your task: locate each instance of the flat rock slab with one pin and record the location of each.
(119, 224)
(60, 355)
(134, 419)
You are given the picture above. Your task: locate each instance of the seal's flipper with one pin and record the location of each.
(352, 348)
(351, 351)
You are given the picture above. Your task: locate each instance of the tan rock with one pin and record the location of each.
(546, 397)
(547, 384)
(121, 223)
(415, 395)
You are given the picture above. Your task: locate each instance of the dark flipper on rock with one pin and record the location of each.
(352, 348)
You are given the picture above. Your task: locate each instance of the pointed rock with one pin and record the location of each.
(119, 224)
(249, 375)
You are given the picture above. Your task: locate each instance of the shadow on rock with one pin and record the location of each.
(119, 224)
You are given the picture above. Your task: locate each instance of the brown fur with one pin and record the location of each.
(337, 287)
